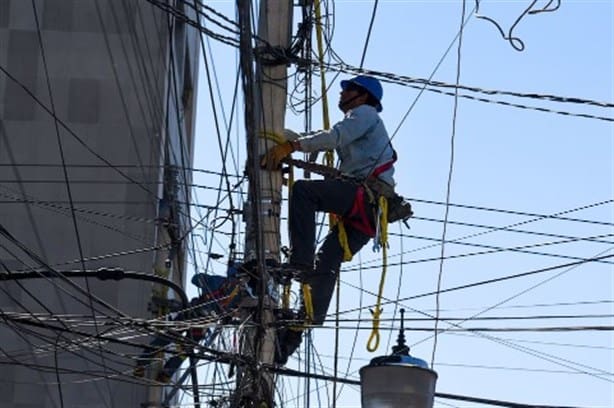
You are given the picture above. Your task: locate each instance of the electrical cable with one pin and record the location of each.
(537, 217)
(488, 281)
(402, 252)
(504, 229)
(223, 150)
(180, 130)
(67, 180)
(364, 50)
(491, 249)
(294, 373)
(147, 84)
(449, 182)
(120, 90)
(58, 121)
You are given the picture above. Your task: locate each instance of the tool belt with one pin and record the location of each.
(363, 215)
(363, 212)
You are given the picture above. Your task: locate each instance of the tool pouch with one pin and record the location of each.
(399, 209)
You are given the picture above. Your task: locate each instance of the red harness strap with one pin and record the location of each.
(357, 217)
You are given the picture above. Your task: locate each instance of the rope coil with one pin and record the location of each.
(381, 241)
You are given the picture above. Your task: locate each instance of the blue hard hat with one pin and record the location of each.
(370, 84)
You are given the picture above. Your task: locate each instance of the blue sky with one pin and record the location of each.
(511, 161)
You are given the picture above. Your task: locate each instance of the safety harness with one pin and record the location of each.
(358, 216)
(390, 208)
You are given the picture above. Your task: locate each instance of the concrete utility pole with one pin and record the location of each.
(269, 104)
(265, 109)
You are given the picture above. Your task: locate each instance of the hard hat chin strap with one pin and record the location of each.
(342, 104)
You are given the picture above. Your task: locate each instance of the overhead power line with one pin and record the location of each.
(498, 403)
(433, 86)
(489, 281)
(412, 82)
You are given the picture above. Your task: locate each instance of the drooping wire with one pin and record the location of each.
(541, 355)
(364, 50)
(500, 403)
(118, 85)
(522, 249)
(516, 42)
(67, 184)
(536, 217)
(224, 147)
(449, 182)
(181, 119)
(484, 282)
(431, 86)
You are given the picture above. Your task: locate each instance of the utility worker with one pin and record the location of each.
(362, 144)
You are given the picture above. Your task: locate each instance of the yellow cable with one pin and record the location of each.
(329, 158)
(373, 342)
(234, 293)
(343, 240)
(320, 40)
(276, 137)
(308, 302)
(285, 298)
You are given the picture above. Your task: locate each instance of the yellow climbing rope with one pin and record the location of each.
(381, 240)
(343, 239)
(329, 156)
(276, 137)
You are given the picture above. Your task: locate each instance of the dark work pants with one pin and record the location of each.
(309, 197)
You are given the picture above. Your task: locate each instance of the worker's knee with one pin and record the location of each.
(300, 188)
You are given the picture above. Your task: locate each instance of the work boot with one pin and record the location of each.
(288, 341)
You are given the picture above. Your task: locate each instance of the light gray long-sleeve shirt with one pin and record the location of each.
(360, 140)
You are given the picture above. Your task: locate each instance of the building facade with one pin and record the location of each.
(97, 102)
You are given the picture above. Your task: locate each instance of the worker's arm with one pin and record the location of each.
(355, 124)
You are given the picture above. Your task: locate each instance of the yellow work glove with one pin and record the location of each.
(272, 159)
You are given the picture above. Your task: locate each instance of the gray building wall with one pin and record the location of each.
(96, 102)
